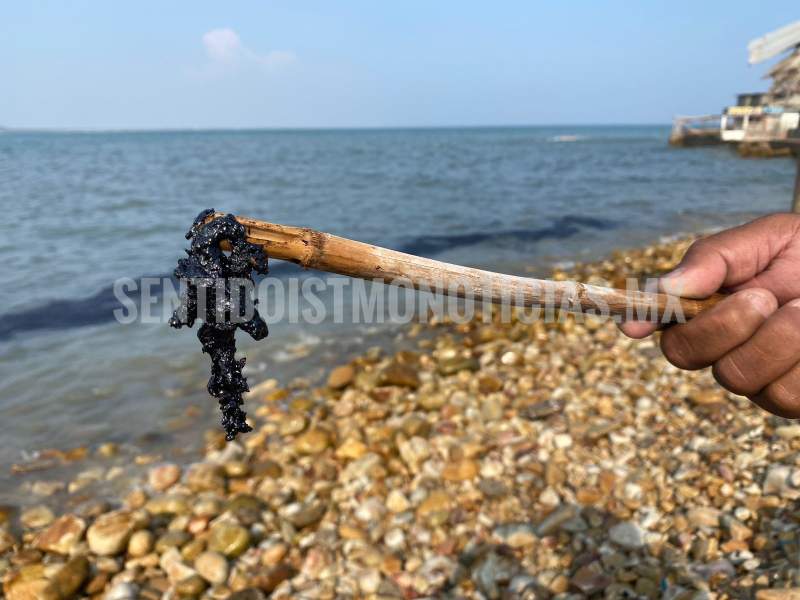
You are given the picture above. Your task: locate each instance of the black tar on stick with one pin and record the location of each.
(207, 266)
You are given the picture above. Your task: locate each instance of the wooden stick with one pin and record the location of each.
(325, 252)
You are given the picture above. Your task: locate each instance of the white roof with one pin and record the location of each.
(773, 43)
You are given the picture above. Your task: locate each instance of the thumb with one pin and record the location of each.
(700, 274)
(731, 257)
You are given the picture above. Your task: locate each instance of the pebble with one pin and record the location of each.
(436, 507)
(141, 543)
(351, 449)
(62, 535)
(397, 502)
(7, 541)
(553, 521)
(122, 591)
(627, 534)
(460, 470)
(313, 441)
(163, 477)
(304, 514)
(37, 517)
(273, 554)
(109, 534)
(341, 377)
(213, 567)
(703, 516)
(205, 477)
(229, 539)
(398, 374)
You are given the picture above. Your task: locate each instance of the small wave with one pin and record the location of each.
(567, 138)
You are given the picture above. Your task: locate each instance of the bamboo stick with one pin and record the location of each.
(325, 252)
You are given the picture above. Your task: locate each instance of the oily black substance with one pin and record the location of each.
(210, 270)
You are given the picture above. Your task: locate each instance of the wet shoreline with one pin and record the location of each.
(499, 460)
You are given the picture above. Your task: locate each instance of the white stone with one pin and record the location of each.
(627, 535)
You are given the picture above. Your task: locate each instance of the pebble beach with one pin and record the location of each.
(493, 461)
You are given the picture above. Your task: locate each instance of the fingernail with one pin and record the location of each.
(674, 273)
(761, 302)
(794, 303)
(671, 282)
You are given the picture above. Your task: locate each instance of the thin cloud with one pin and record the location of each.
(225, 51)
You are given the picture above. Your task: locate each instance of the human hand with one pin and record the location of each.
(751, 339)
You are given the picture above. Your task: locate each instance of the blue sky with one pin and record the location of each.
(146, 64)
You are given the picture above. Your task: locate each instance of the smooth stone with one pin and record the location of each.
(492, 571)
(460, 470)
(776, 480)
(7, 541)
(212, 566)
(492, 409)
(292, 424)
(516, 535)
(164, 476)
(304, 514)
(351, 449)
(47, 488)
(37, 517)
(110, 533)
(205, 477)
(788, 432)
(542, 410)
(341, 377)
(371, 510)
(62, 535)
(627, 535)
(454, 364)
(435, 509)
(397, 502)
(399, 374)
(192, 549)
(707, 397)
(591, 578)
(414, 452)
(30, 589)
(369, 581)
(69, 579)
(488, 384)
(172, 539)
(703, 516)
(555, 519)
(172, 564)
(191, 587)
(312, 441)
(395, 539)
(432, 401)
(169, 504)
(268, 579)
(492, 488)
(229, 539)
(273, 554)
(141, 543)
(122, 591)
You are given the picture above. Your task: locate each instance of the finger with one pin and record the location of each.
(731, 257)
(641, 329)
(771, 352)
(638, 329)
(782, 396)
(714, 333)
